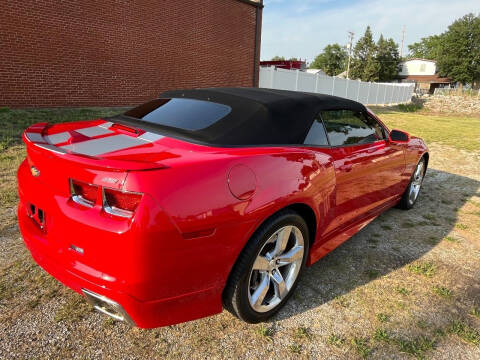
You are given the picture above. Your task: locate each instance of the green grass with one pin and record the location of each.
(411, 107)
(407, 224)
(461, 226)
(462, 132)
(403, 291)
(430, 217)
(265, 332)
(302, 333)
(336, 340)
(416, 347)
(372, 274)
(450, 239)
(383, 317)
(427, 269)
(465, 332)
(475, 312)
(381, 335)
(443, 291)
(294, 348)
(362, 347)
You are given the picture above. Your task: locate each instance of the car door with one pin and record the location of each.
(367, 167)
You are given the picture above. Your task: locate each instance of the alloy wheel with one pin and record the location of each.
(276, 268)
(416, 182)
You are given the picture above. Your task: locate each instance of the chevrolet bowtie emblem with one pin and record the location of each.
(35, 172)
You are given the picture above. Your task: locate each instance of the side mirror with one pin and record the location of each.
(398, 136)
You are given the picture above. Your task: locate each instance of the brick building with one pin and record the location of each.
(121, 52)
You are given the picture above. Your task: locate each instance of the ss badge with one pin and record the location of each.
(35, 172)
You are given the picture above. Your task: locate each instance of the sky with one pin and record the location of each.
(302, 28)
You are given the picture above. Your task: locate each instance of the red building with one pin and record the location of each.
(118, 52)
(286, 64)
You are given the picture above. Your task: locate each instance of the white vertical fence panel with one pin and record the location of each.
(372, 95)
(340, 87)
(352, 90)
(306, 82)
(364, 92)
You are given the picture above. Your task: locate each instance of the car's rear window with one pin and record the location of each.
(180, 113)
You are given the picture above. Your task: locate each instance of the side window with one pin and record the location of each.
(346, 127)
(316, 135)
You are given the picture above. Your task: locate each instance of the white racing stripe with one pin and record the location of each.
(104, 145)
(35, 137)
(106, 125)
(150, 137)
(94, 131)
(58, 138)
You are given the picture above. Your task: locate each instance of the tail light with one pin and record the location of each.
(114, 202)
(120, 203)
(83, 193)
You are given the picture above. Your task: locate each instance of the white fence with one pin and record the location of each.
(368, 93)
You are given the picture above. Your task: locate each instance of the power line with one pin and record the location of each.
(403, 40)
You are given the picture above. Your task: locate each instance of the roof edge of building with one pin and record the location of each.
(257, 3)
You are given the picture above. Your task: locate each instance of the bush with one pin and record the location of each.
(410, 107)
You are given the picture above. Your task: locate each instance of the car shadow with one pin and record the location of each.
(391, 241)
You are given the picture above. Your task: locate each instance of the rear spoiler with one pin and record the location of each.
(36, 138)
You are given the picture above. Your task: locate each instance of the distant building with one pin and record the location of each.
(316, 71)
(286, 64)
(423, 73)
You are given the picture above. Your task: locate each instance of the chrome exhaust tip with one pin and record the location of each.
(107, 306)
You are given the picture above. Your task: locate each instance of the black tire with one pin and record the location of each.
(406, 202)
(236, 293)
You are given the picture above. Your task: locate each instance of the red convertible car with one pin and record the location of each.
(208, 198)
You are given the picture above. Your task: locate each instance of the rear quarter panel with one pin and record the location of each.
(195, 195)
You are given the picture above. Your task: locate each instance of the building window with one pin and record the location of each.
(422, 67)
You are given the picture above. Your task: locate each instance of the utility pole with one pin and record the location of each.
(350, 33)
(403, 41)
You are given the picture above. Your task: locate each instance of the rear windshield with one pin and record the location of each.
(180, 113)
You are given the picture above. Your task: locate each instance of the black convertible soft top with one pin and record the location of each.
(257, 116)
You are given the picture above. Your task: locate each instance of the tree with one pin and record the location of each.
(363, 57)
(332, 60)
(459, 55)
(371, 70)
(427, 48)
(278, 58)
(387, 59)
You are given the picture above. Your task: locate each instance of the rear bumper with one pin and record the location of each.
(148, 314)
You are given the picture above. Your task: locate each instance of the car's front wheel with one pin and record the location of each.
(410, 196)
(267, 271)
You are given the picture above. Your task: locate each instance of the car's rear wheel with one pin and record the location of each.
(267, 271)
(410, 196)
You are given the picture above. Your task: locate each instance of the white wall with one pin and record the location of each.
(367, 93)
(418, 67)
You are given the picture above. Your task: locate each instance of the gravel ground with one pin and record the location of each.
(406, 286)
